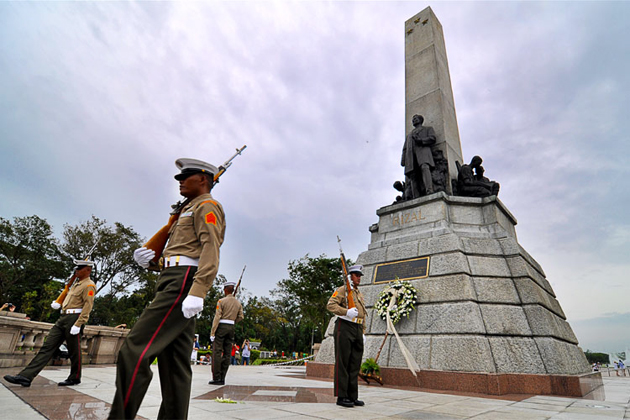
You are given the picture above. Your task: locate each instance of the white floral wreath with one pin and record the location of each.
(406, 296)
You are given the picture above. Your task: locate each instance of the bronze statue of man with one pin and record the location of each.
(472, 183)
(418, 159)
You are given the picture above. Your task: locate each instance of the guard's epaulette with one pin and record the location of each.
(208, 201)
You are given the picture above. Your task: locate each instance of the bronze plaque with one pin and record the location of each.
(417, 268)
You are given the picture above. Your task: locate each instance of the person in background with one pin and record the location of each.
(193, 355)
(8, 306)
(246, 349)
(233, 354)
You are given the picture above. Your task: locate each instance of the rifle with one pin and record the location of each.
(158, 241)
(344, 266)
(228, 163)
(239, 281)
(72, 278)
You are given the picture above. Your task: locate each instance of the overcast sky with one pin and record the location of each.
(97, 100)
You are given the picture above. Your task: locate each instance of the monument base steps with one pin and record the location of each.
(587, 385)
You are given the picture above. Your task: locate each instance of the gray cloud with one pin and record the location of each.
(99, 99)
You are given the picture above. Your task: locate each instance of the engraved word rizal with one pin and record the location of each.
(401, 219)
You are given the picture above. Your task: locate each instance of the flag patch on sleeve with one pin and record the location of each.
(211, 218)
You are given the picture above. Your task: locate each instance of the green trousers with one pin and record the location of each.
(348, 354)
(222, 351)
(164, 333)
(59, 333)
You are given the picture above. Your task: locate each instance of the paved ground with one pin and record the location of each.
(283, 393)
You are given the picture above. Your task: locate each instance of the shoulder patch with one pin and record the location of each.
(211, 218)
(334, 294)
(90, 292)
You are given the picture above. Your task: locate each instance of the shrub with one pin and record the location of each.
(370, 366)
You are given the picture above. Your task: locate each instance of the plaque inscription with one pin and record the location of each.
(417, 268)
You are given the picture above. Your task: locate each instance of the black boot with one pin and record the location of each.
(18, 379)
(345, 402)
(70, 382)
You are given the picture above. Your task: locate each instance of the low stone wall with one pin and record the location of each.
(21, 339)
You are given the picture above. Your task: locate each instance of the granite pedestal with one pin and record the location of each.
(487, 320)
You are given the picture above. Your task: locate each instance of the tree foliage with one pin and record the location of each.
(115, 266)
(302, 298)
(34, 265)
(594, 357)
(30, 258)
(111, 309)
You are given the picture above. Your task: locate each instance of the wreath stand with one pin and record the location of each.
(385, 305)
(373, 376)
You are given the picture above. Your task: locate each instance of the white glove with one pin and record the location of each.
(143, 256)
(212, 338)
(352, 313)
(55, 305)
(363, 340)
(75, 330)
(191, 306)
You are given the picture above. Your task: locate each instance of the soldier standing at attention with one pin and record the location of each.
(75, 312)
(165, 330)
(349, 340)
(229, 311)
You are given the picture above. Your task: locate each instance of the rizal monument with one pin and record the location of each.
(486, 319)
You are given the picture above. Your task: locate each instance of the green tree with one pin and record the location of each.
(111, 310)
(302, 298)
(594, 357)
(263, 322)
(115, 266)
(29, 259)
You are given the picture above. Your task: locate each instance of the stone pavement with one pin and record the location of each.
(277, 393)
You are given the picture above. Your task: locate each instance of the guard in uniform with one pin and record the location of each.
(165, 330)
(229, 311)
(349, 340)
(75, 311)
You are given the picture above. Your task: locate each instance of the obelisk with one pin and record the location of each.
(428, 90)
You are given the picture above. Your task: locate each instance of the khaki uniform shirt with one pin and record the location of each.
(227, 308)
(199, 233)
(338, 303)
(81, 296)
